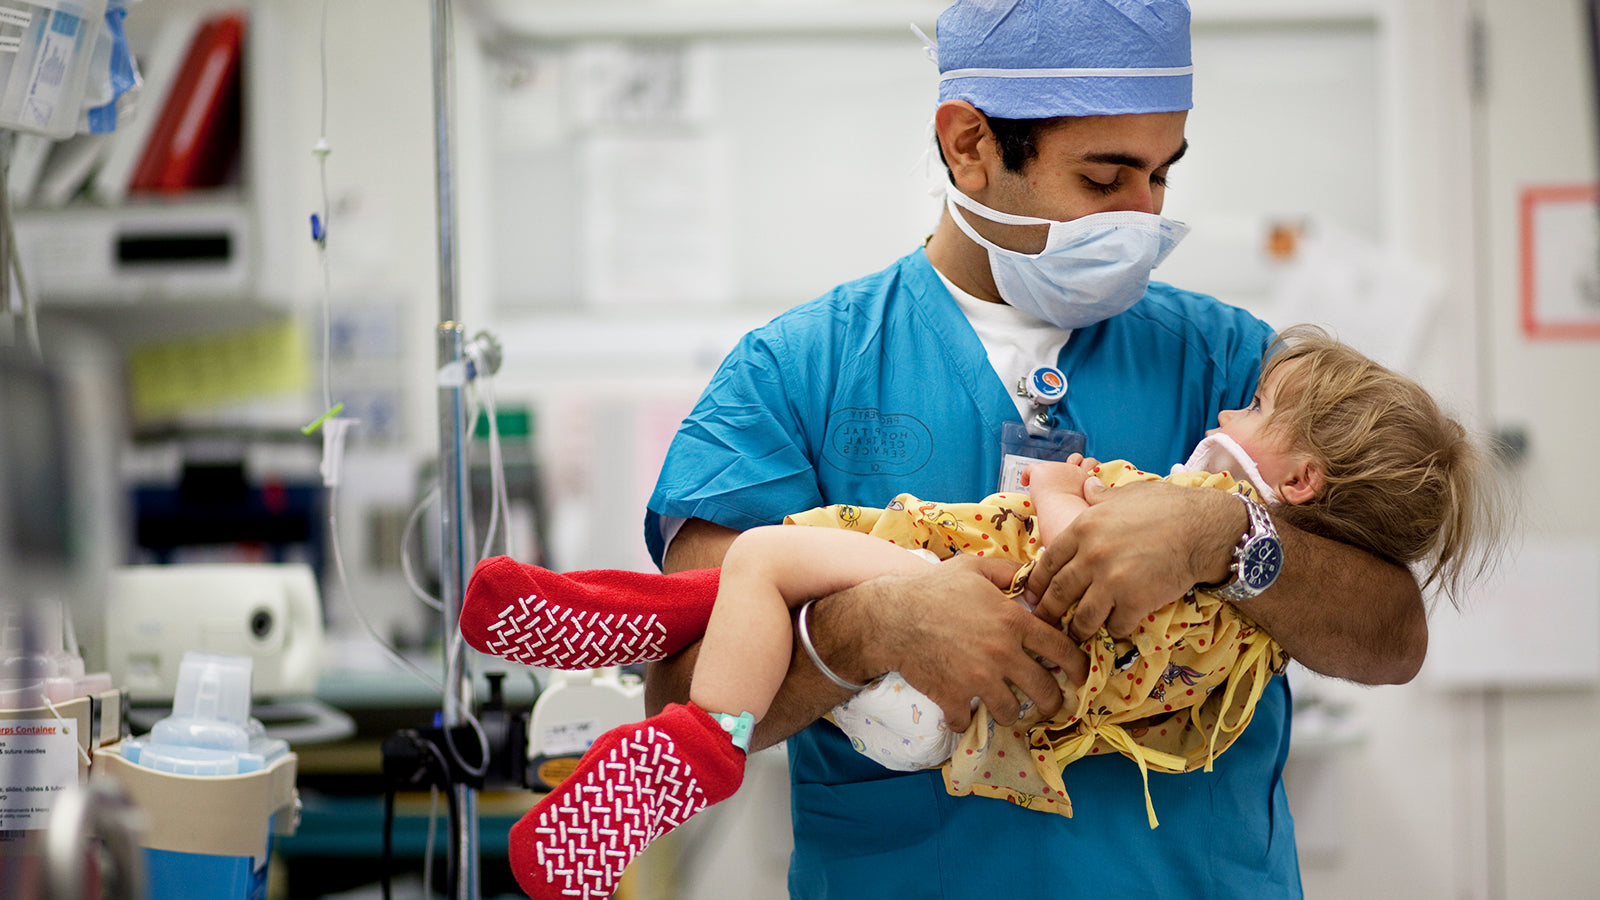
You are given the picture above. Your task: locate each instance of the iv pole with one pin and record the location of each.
(454, 499)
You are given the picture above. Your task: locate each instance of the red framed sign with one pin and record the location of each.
(1561, 261)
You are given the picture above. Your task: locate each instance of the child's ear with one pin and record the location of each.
(1303, 484)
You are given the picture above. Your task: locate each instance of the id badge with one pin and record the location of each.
(1019, 449)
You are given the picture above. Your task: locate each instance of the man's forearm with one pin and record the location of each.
(1343, 612)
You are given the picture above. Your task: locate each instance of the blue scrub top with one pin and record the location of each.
(881, 386)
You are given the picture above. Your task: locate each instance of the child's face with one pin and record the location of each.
(1278, 466)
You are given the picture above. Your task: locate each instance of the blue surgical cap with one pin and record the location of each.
(1035, 59)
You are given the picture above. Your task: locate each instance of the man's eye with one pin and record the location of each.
(1102, 187)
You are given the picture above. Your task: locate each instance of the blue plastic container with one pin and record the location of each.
(211, 784)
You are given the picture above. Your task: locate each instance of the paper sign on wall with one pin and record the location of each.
(1561, 261)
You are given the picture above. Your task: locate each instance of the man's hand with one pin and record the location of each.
(954, 635)
(1136, 549)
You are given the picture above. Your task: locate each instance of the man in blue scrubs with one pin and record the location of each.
(1058, 121)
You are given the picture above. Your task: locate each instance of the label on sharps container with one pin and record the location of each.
(38, 760)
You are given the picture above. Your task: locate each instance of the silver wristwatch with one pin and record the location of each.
(1257, 558)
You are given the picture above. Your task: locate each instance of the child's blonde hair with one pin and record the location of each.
(1400, 478)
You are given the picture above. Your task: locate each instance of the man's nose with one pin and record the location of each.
(1141, 200)
(1139, 196)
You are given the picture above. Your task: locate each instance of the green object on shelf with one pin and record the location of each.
(515, 423)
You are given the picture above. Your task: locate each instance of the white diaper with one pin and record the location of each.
(896, 726)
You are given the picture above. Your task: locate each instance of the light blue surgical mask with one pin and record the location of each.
(1091, 268)
(1221, 453)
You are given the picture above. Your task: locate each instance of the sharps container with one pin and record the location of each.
(53, 717)
(212, 787)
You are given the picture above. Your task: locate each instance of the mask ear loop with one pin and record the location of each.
(930, 47)
(995, 215)
(928, 162)
(931, 164)
(954, 198)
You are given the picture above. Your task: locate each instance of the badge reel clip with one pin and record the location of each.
(1037, 437)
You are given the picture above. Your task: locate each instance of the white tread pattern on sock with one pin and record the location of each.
(640, 791)
(538, 632)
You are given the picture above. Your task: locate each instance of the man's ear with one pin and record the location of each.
(1303, 484)
(965, 138)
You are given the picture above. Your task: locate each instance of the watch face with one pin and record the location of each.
(1260, 562)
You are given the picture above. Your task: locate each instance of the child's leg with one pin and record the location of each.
(640, 781)
(768, 572)
(634, 784)
(583, 620)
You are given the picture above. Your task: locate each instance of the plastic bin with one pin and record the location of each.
(213, 789)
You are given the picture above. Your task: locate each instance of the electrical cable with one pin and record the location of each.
(485, 396)
(417, 589)
(344, 584)
(482, 391)
(386, 858)
(437, 771)
(427, 847)
(452, 855)
(457, 645)
(501, 501)
(442, 778)
(500, 498)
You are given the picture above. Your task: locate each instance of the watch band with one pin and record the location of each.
(1257, 558)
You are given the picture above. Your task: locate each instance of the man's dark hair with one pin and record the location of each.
(1017, 139)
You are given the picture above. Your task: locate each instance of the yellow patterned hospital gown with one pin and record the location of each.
(1170, 697)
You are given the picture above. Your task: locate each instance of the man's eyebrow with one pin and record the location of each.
(1135, 162)
(1182, 149)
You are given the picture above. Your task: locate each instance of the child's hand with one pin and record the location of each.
(1059, 477)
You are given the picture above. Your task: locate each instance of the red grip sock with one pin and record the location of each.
(634, 784)
(583, 620)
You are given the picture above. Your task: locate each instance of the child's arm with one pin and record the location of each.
(803, 563)
(1056, 489)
